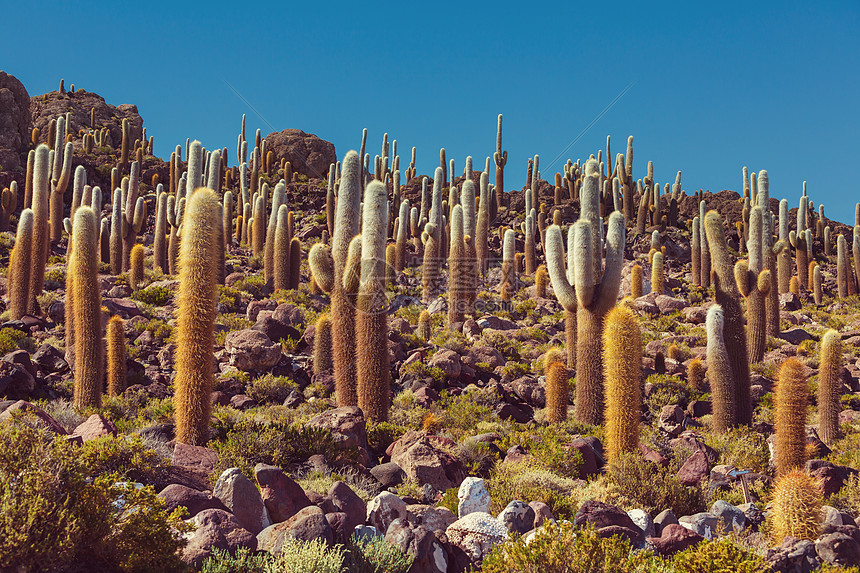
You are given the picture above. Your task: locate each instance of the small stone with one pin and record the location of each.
(241, 496)
(731, 517)
(95, 427)
(643, 521)
(517, 517)
(705, 524)
(383, 509)
(473, 496)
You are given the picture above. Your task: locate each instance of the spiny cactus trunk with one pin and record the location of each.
(790, 417)
(39, 251)
(116, 368)
(20, 266)
(322, 345)
(196, 308)
(281, 251)
(796, 509)
(159, 243)
(87, 320)
(829, 386)
(456, 269)
(622, 342)
(556, 392)
(723, 392)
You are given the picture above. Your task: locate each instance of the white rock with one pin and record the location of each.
(383, 509)
(473, 496)
(477, 534)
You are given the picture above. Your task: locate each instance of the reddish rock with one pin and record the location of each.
(125, 308)
(94, 427)
(251, 350)
(216, 529)
(590, 463)
(346, 424)
(282, 496)
(14, 122)
(695, 469)
(38, 412)
(307, 153)
(177, 495)
(347, 502)
(422, 461)
(195, 457)
(675, 538)
(602, 515)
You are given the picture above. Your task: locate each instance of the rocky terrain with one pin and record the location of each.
(724, 424)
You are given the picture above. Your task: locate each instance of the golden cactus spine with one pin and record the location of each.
(135, 273)
(116, 369)
(20, 266)
(797, 504)
(196, 308)
(87, 318)
(636, 281)
(829, 386)
(723, 392)
(541, 281)
(657, 276)
(40, 202)
(281, 251)
(790, 417)
(695, 374)
(372, 309)
(622, 343)
(322, 345)
(295, 262)
(556, 392)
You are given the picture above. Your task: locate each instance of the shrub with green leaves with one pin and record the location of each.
(9, 339)
(742, 448)
(154, 295)
(375, 555)
(528, 480)
(652, 487)
(270, 389)
(667, 390)
(719, 556)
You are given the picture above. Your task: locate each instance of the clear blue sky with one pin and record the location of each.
(715, 87)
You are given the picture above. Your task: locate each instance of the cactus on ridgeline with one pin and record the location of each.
(706, 248)
(797, 507)
(754, 284)
(829, 386)
(196, 310)
(135, 271)
(500, 158)
(20, 262)
(322, 344)
(557, 390)
(727, 296)
(371, 321)
(433, 244)
(790, 417)
(87, 317)
(115, 357)
(126, 137)
(622, 344)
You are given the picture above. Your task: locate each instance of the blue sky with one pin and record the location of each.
(715, 87)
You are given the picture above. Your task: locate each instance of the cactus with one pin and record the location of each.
(695, 374)
(59, 184)
(134, 208)
(258, 228)
(196, 310)
(801, 253)
(281, 251)
(19, 266)
(295, 262)
(723, 393)
(556, 392)
(705, 256)
(227, 218)
(322, 345)
(622, 343)
(728, 297)
(754, 284)
(159, 242)
(456, 269)
(790, 417)
(636, 281)
(797, 507)
(402, 234)
(541, 279)
(433, 245)
(500, 158)
(829, 386)
(116, 233)
(794, 285)
(321, 265)
(39, 250)
(696, 252)
(424, 328)
(509, 265)
(470, 255)
(342, 302)
(783, 260)
(278, 199)
(841, 267)
(87, 318)
(816, 285)
(135, 273)
(657, 277)
(371, 322)
(390, 256)
(126, 136)
(116, 369)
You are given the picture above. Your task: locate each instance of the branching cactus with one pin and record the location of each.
(754, 284)
(116, 368)
(20, 266)
(790, 417)
(829, 386)
(39, 250)
(769, 254)
(87, 319)
(59, 184)
(196, 310)
(622, 343)
(728, 297)
(342, 301)
(501, 159)
(372, 309)
(562, 285)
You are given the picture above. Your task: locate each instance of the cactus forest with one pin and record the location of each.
(246, 359)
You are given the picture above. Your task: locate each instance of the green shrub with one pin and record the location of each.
(154, 295)
(529, 481)
(9, 339)
(255, 285)
(222, 561)
(125, 457)
(231, 300)
(382, 435)
(307, 557)
(667, 390)
(424, 371)
(721, 556)
(503, 342)
(652, 487)
(375, 555)
(742, 448)
(270, 389)
(159, 329)
(55, 511)
(460, 415)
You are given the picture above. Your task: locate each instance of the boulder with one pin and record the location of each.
(14, 122)
(216, 529)
(705, 524)
(240, 495)
(251, 350)
(675, 538)
(346, 424)
(176, 495)
(50, 359)
(732, 519)
(349, 504)
(423, 462)
(428, 554)
(16, 383)
(517, 517)
(643, 521)
(695, 469)
(95, 427)
(448, 361)
(476, 534)
(436, 519)
(838, 549)
(195, 456)
(52, 424)
(282, 496)
(602, 515)
(473, 496)
(308, 154)
(384, 509)
(309, 524)
(388, 474)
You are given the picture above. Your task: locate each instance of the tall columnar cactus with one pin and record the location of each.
(134, 213)
(278, 199)
(470, 255)
(322, 344)
(541, 280)
(801, 253)
(841, 267)
(227, 219)
(159, 242)
(723, 394)
(816, 285)
(696, 252)
(855, 249)
(59, 185)
(622, 343)
(790, 417)
(197, 304)
(636, 281)
(769, 254)
(402, 234)
(258, 228)
(135, 272)
(19, 266)
(783, 258)
(281, 251)
(126, 142)
(295, 262)
(705, 258)
(116, 233)
(829, 386)
(321, 265)
(695, 374)
(797, 506)
(343, 301)
(39, 250)
(754, 285)
(372, 308)
(728, 297)
(657, 275)
(87, 319)
(116, 368)
(509, 266)
(457, 269)
(556, 392)
(433, 243)
(482, 228)
(501, 159)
